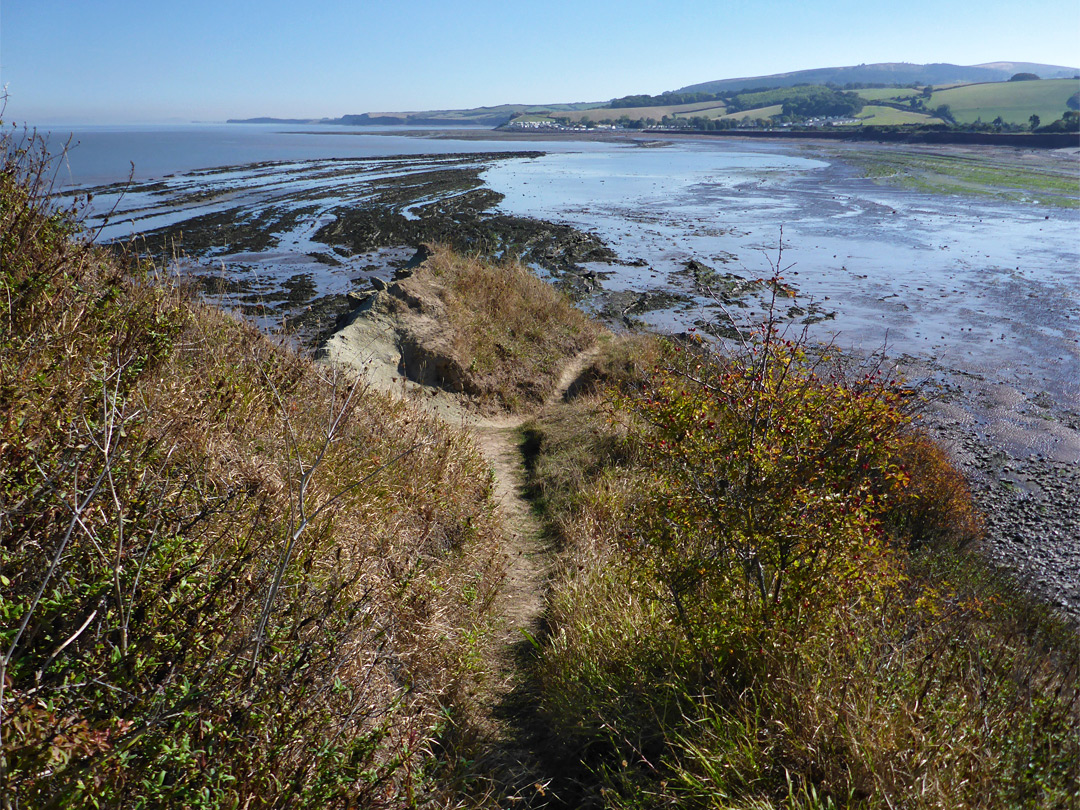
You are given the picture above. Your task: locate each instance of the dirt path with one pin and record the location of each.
(511, 761)
(507, 759)
(369, 345)
(527, 552)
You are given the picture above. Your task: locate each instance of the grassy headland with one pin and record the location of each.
(492, 331)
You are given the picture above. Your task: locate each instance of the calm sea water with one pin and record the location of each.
(107, 154)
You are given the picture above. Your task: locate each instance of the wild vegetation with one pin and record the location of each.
(230, 578)
(766, 598)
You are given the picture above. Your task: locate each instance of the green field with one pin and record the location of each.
(1014, 102)
(887, 93)
(889, 116)
(708, 109)
(759, 112)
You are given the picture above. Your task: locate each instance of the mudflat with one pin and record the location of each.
(959, 263)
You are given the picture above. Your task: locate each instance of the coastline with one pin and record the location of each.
(1018, 446)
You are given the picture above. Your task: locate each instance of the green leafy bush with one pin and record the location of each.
(768, 479)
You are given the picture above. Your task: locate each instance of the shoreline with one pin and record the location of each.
(1022, 463)
(1019, 449)
(812, 138)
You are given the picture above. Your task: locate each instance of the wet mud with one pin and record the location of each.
(286, 243)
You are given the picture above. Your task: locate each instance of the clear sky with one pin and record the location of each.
(99, 61)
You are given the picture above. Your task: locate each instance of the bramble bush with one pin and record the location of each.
(769, 476)
(765, 598)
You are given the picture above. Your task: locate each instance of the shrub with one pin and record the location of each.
(769, 475)
(765, 600)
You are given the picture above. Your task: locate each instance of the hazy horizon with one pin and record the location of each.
(125, 62)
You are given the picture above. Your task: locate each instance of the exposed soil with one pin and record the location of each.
(397, 351)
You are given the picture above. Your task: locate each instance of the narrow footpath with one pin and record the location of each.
(511, 761)
(506, 760)
(498, 439)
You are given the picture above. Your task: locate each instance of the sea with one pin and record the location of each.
(98, 155)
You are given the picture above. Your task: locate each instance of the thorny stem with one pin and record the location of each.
(303, 518)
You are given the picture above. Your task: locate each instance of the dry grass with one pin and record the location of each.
(505, 333)
(230, 577)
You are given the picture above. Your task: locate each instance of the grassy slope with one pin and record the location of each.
(254, 580)
(759, 112)
(1015, 102)
(886, 93)
(507, 331)
(709, 109)
(885, 116)
(943, 689)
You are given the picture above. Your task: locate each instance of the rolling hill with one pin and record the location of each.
(890, 73)
(972, 92)
(1013, 102)
(478, 116)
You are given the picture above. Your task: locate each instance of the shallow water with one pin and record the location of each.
(984, 286)
(109, 154)
(987, 286)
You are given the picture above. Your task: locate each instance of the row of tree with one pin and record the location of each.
(1069, 122)
(663, 100)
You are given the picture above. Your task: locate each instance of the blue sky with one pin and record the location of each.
(98, 61)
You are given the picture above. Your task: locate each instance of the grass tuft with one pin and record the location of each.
(499, 333)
